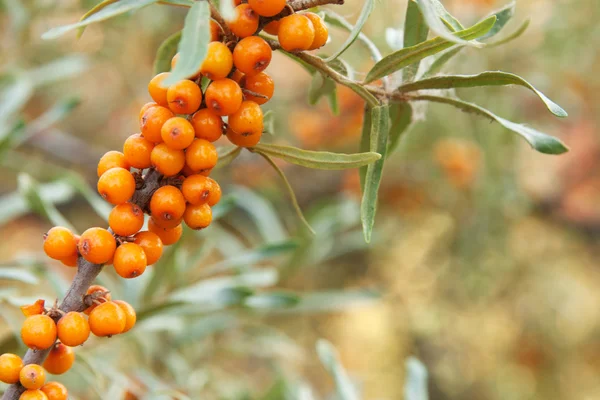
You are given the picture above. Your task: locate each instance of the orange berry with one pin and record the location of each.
(157, 91)
(177, 133)
(243, 140)
(33, 395)
(151, 244)
(272, 28)
(116, 185)
(136, 150)
(130, 315)
(166, 160)
(73, 329)
(59, 242)
(167, 204)
(245, 21)
(198, 217)
(152, 121)
(130, 260)
(95, 289)
(110, 160)
(223, 97)
(247, 120)
(145, 108)
(237, 76)
(261, 84)
(168, 236)
(32, 376)
(216, 32)
(321, 32)
(215, 192)
(207, 125)
(126, 219)
(38, 332)
(60, 359)
(10, 367)
(252, 55)
(184, 97)
(218, 61)
(55, 391)
(267, 8)
(201, 155)
(70, 261)
(196, 189)
(33, 309)
(97, 245)
(107, 319)
(296, 33)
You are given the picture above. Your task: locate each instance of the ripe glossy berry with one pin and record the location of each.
(55, 391)
(215, 192)
(10, 367)
(184, 97)
(32, 376)
(73, 329)
(97, 289)
(107, 319)
(321, 31)
(267, 8)
(110, 160)
(136, 151)
(237, 76)
(33, 395)
(60, 359)
(152, 122)
(157, 91)
(97, 245)
(201, 155)
(245, 21)
(126, 219)
(252, 55)
(145, 108)
(151, 244)
(272, 28)
(261, 84)
(70, 261)
(196, 189)
(223, 97)
(247, 120)
(296, 33)
(207, 125)
(130, 315)
(198, 217)
(177, 133)
(130, 260)
(116, 185)
(59, 242)
(168, 236)
(38, 332)
(167, 204)
(243, 140)
(216, 32)
(218, 61)
(166, 160)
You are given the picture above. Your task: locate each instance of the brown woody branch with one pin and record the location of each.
(87, 272)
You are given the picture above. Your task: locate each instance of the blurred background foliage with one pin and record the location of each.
(484, 259)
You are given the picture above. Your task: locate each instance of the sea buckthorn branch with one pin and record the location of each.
(298, 5)
(216, 15)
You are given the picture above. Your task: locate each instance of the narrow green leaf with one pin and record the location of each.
(184, 3)
(415, 386)
(401, 118)
(364, 93)
(332, 300)
(18, 274)
(441, 60)
(380, 126)
(539, 141)
(365, 144)
(402, 58)
(227, 155)
(437, 17)
(166, 51)
(291, 192)
(9, 139)
(110, 11)
(14, 96)
(93, 11)
(488, 78)
(323, 86)
(415, 32)
(193, 45)
(269, 122)
(503, 15)
(63, 68)
(331, 361)
(227, 9)
(317, 159)
(337, 20)
(273, 300)
(368, 7)
(512, 36)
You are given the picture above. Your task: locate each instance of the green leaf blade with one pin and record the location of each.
(401, 116)
(488, 78)
(503, 16)
(331, 361)
(415, 32)
(362, 19)
(166, 51)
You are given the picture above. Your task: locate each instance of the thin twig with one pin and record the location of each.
(216, 15)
